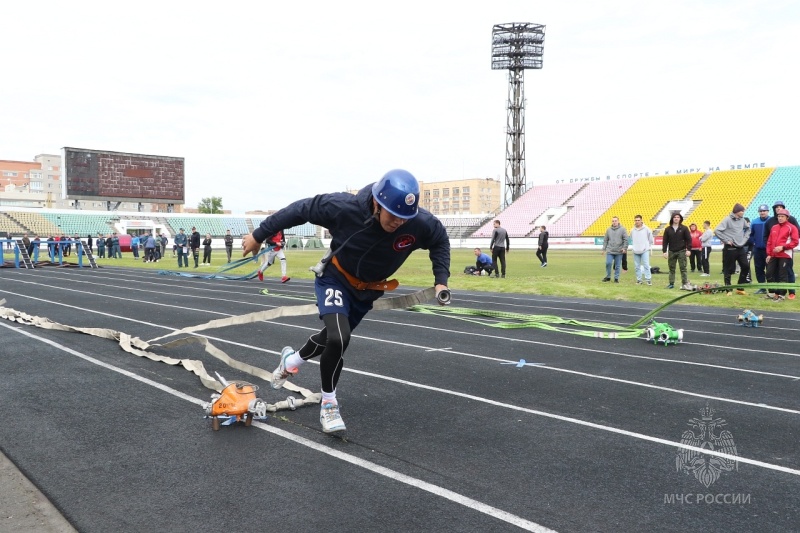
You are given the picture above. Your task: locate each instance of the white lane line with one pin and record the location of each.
(367, 465)
(618, 314)
(584, 374)
(527, 341)
(571, 420)
(593, 350)
(686, 309)
(536, 412)
(478, 356)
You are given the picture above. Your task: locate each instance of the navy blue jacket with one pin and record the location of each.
(371, 254)
(758, 238)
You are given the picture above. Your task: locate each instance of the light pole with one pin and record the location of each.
(516, 47)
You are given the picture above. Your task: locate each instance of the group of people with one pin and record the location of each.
(106, 245)
(496, 264)
(374, 232)
(769, 241)
(56, 244)
(190, 243)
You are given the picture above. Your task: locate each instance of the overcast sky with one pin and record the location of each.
(270, 102)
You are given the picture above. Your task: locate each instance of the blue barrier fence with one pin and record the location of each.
(55, 251)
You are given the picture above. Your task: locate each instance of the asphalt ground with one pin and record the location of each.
(445, 430)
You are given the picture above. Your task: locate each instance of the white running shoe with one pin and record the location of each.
(330, 418)
(282, 373)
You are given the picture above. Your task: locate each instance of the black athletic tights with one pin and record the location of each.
(329, 344)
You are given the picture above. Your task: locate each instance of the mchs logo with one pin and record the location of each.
(707, 434)
(403, 243)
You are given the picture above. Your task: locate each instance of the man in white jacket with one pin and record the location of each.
(641, 242)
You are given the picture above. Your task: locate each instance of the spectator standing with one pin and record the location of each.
(67, 246)
(26, 242)
(182, 243)
(758, 241)
(783, 239)
(677, 244)
(89, 243)
(51, 248)
(135, 246)
(150, 249)
(499, 237)
(749, 255)
(157, 249)
(164, 242)
(8, 243)
(734, 233)
(641, 242)
(115, 249)
(615, 242)
(35, 249)
(705, 243)
(207, 250)
(771, 222)
(110, 247)
(194, 244)
(483, 263)
(101, 246)
(228, 244)
(542, 245)
(373, 233)
(695, 252)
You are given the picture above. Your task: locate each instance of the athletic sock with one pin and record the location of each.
(294, 360)
(329, 397)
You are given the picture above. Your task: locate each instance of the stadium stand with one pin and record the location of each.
(461, 227)
(238, 226)
(593, 199)
(204, 225)
(34, 223)
(304, 230)
(519, 218)
(646, 197)
(9, 225)
(568, 210)
(722, 189)
(783, 184)
(82, 224)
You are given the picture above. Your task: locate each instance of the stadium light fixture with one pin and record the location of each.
(516, 46)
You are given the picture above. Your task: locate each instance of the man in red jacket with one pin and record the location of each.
(783, 238)
(278, 242)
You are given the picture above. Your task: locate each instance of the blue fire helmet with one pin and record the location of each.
(398, 192)
(778, 203)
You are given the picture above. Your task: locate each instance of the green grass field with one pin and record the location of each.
(570, 273)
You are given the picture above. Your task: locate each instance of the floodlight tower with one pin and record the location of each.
(515, 47)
